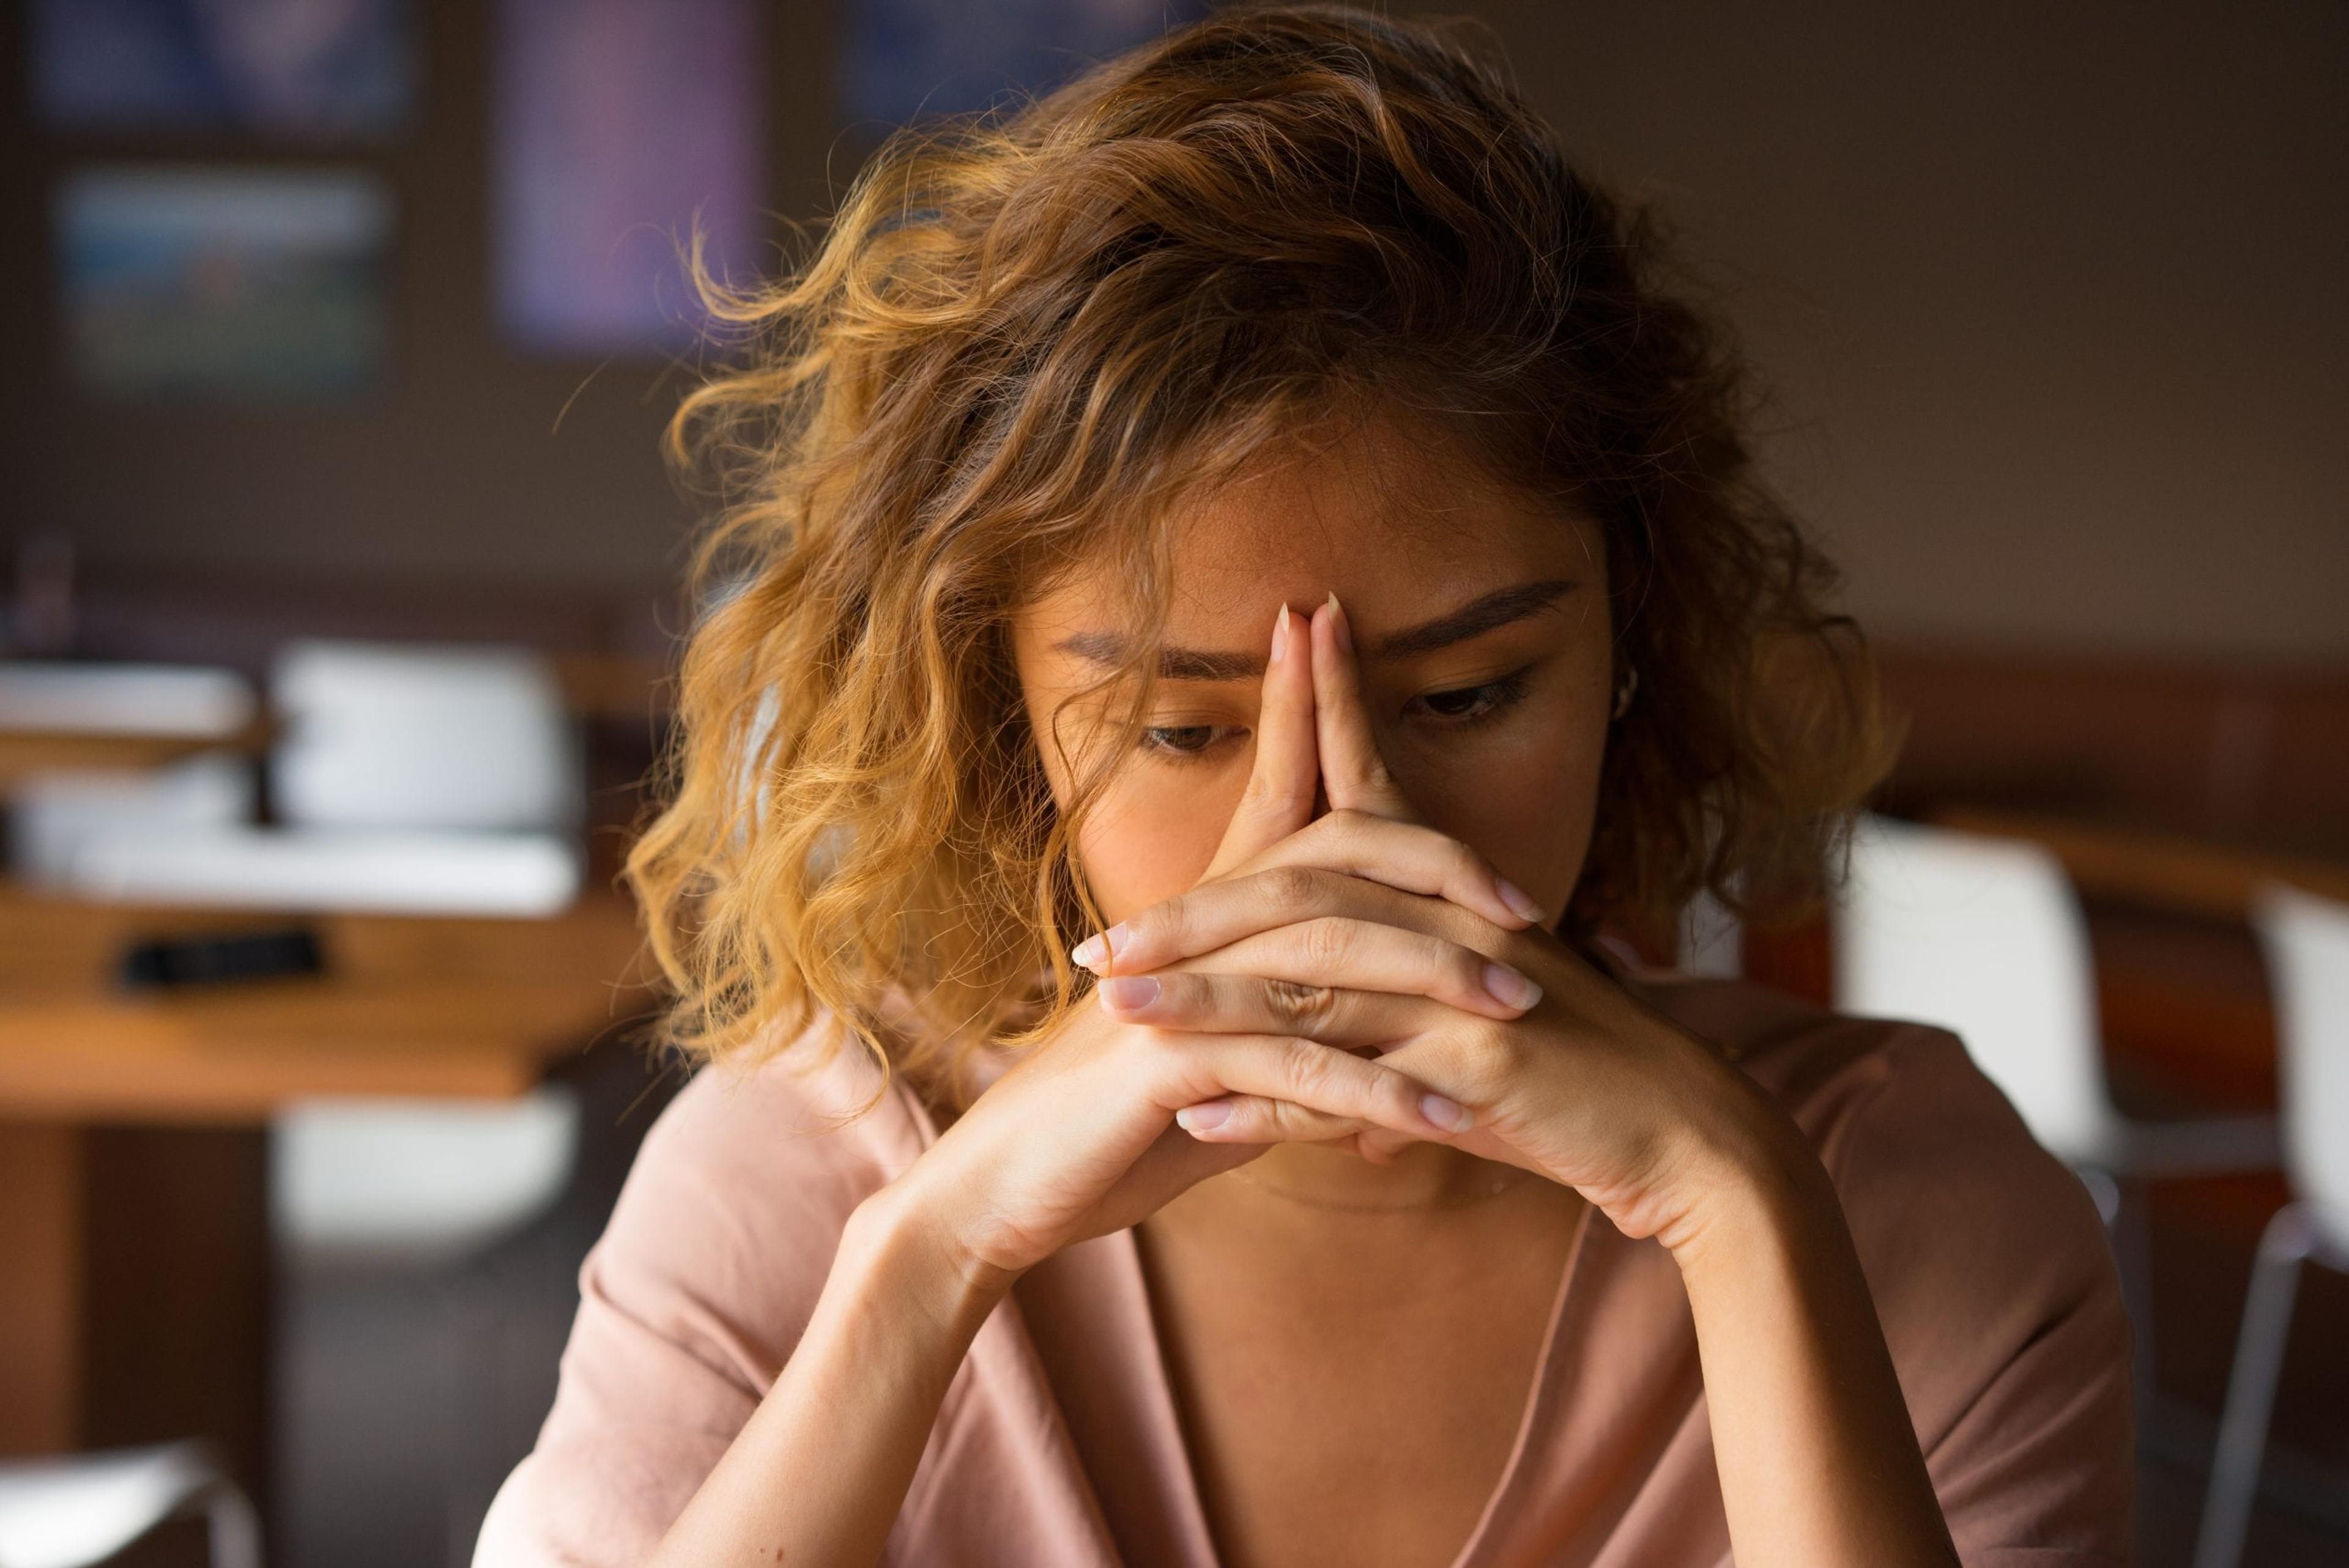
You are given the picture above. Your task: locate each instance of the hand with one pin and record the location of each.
(1326, 934)
(1078, 1138)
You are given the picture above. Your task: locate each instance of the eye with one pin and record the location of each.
(1455, 709)
(1183, 742)
(1469, 705)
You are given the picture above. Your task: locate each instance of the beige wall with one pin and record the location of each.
(2052, 296)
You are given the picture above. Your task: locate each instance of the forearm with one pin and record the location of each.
(1817, 1458)
(820, 1470)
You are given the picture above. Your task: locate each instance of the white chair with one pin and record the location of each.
(472, 744)
(79, 1511)
(408, 779)
(417, 1181)
(55, 817)
(1984, 936)
(183, 702)
(2306, 940)
(422, 736)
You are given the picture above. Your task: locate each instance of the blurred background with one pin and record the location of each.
(337, 584)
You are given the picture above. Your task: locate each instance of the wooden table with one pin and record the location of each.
(133, 1179)
(28, 754)
(2157, 871)
(2181, 987)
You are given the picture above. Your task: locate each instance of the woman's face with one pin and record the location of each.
(1480, 621)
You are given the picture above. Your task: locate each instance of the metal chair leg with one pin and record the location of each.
(2105, 1192)
(234, 1526)
(2132, 1233)
(2285, 1245)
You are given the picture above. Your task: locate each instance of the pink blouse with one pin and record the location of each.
(1058, 1442)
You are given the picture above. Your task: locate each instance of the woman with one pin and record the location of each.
(1259, 511)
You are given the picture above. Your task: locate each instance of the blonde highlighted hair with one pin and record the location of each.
(1021, 339)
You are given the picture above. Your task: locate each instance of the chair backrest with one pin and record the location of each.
(416, 1179)
(1983, 936)
(2306, 941)
(382, 734)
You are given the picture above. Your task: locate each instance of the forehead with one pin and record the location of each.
(1393, 518)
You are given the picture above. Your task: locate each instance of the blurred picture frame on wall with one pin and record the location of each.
(906, 60)
(618, 128)
(216, 282)
(330, 69)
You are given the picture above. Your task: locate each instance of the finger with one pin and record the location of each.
(1371, 956)
(1412, 857)
(1247, 1121)
(1354, 772)
(1351, 864)
(1476, 1065)
(1255, 1005)
(1196, 1068)
(1251, 1005)
(1476, 1068)
(1255, 1118)
(1284, 773)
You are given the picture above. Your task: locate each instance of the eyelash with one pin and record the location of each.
(1501, 694)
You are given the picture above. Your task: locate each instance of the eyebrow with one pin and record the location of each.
(1473, 619)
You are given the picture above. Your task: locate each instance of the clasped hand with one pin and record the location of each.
(1368, 931)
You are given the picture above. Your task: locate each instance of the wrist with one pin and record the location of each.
(902, 1231)
(1757, 1184)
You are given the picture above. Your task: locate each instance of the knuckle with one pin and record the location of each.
(1163, 924)
(1492, 1057)
(1325, 943)
(1306, 1072)
(1301, 1008)
(1290, 890)
(1299, 1121)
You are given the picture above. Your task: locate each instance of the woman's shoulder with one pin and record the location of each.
(1959, 1213)
(1990, 1270)
(1865, 1088)
(703, 1280)
(726, 1226)
(818, 1118)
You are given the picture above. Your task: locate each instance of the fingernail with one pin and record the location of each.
(1517, 899)
(1510, 988)
(1099, 948)
(1447, 1114)
(1129, 991)
(1204, 1117)
(1280, 634)
(1338, 624)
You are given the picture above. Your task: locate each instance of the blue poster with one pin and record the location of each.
(906, 59)
(211, 284)
(305, 67)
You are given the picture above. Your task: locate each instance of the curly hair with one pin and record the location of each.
(1022, 338)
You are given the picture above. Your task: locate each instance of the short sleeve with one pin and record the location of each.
(1995, 1285)
(689, 1303)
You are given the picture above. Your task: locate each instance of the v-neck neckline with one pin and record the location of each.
(1534, 1425)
